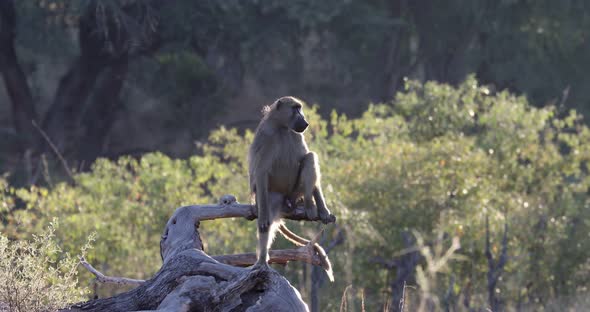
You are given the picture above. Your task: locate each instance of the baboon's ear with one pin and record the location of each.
(279, 103)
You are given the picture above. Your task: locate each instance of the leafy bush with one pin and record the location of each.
(436, 158)
(37, 275)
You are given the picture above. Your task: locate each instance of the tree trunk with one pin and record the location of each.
(405, 268)
(393, 53)
(15, 81)
(106, 47)
(63, 118)
(190, 280)
(102, 111)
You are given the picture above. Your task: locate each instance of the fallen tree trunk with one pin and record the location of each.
(190, 280)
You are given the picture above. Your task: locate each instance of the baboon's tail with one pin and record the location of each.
(300, 241)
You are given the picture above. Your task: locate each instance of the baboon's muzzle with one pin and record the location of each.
(300, 125)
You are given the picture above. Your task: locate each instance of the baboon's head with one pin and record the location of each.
(287, 112)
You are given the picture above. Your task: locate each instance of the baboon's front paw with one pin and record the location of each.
(327, 218)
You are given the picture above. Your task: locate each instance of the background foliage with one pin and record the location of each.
(435, 159)
(180, 69)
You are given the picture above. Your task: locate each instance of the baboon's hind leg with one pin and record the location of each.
(266, 235)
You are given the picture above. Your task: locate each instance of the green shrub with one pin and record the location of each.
(36, 275)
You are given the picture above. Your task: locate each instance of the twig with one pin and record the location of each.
(403, 300)
(337, 241)
(316, 239)
(363, 300)
(56, 151)
(343, 301)
(564, 95)
(109, 279)
(387, 264)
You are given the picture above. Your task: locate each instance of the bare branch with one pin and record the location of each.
(387, 264)
(56, 151)
(564, 95)
(337, 241)
(504, 253)
(305, 254)
(109, 279)
(488, 251)
(317, 237)
(282, 256)
(402, 302)
(228, 209)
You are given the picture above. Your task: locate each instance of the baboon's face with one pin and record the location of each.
(299, 124)
(292, 112)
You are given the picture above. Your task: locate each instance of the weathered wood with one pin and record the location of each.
(228, 207)
(101, 278)
(193, 281)
(282, 256)
(190, 280)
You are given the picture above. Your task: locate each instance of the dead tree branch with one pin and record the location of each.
(101, 278)
(190, 279)
(281, 256)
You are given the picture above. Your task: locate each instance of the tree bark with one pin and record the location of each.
(190, 280)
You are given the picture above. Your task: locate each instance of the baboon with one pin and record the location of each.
(283, 170)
